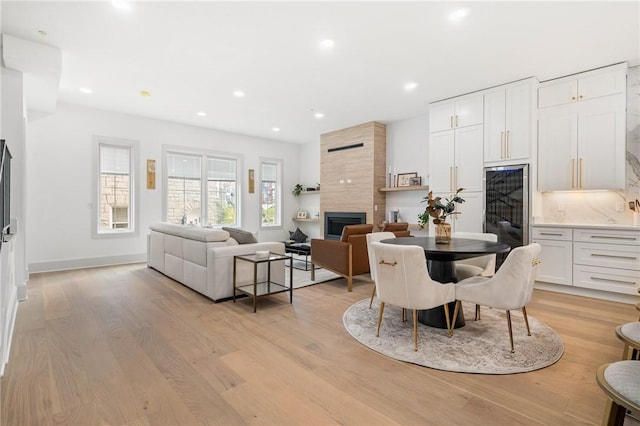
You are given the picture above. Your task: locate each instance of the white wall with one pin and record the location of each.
(60, 176)
(408, 151)
(309, 177)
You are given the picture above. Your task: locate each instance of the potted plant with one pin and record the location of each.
(439, 210)
(297, 189)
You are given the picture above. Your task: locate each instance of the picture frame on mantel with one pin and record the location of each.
(404, 179)
(415, 181)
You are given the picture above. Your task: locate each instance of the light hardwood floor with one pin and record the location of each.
(126, 345)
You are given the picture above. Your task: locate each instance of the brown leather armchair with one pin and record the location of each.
(347, 257)
(400, 229)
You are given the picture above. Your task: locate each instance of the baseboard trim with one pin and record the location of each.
(89, 262)
(587, 292)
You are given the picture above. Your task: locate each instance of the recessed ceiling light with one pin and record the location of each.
(458, 15)
(326, 44)
(318, 115)
(276, 129)
(86, 90)
(121, 4)
(410, 86)
(145, 94)
(238, 94)
(202, 114)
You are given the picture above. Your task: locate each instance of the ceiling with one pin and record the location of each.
(192, 56)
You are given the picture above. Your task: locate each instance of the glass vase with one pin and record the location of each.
(443, 233)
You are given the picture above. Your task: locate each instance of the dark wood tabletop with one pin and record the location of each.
(457, 249)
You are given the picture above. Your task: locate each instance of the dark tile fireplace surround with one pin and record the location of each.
(335, 221)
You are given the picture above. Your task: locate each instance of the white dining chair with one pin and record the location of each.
(371, 238)
(484, 266)
(402, 280)
(510, 288)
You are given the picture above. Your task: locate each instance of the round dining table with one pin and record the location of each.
(441, 266)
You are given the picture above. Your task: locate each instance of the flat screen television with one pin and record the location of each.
(5, 188)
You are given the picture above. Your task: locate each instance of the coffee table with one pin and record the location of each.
(263, 288)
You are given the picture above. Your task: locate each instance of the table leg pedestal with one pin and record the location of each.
(444, 272)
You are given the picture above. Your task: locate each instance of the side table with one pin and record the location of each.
(263, 288)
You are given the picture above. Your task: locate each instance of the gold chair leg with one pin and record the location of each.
(477, 312)
(446, 315)
(455, 317)
(380, 318)
(510, 331)
(415, 329)
(373, 293)
(526, 320)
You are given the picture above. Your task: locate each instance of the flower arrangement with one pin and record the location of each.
(437, 209)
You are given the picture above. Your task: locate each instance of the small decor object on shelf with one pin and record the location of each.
(297, 190)
(404, 179)
(415, 181)
(301, 215)
(439, 211)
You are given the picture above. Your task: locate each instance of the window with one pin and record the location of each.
(270, 193)
(114, 200)
(188, 201)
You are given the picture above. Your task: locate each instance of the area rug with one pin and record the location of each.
(302, 278)
(478, 347)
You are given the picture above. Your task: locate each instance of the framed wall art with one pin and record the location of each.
(404, 179)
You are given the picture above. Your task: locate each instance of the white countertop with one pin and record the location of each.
(615, 226)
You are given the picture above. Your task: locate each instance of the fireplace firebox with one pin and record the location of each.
(335, 221)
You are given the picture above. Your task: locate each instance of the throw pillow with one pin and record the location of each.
(298, 236)
(240, 235)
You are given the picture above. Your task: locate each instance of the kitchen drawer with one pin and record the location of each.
(607, 236)
(541, 233)
(607, 255)
(606, 279)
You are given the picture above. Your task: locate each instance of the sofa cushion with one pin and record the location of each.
(205, 234)
(240, 235)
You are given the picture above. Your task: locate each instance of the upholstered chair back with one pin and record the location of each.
(399, 229)
(486, 264)
(402, 278)
(350, 230)
(512, 285)
(373, 238)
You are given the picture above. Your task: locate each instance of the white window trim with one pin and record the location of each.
(177, 149)
(280, 209)
(133, 146)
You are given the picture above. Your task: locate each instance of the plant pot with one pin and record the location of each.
(443, 233)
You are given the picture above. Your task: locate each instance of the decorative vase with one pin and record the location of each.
(443, 233)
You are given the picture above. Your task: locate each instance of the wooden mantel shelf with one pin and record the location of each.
(406, 188)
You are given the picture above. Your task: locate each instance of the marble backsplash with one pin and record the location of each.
(604, 207)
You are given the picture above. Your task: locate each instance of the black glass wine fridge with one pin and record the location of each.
(506, 205)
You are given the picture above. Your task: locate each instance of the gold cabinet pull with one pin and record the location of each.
(580, 172)
(450, 178)
(455, 179)
(501, 145)
(456, 120)
(508, 144)
(451, 121)
(573, 173)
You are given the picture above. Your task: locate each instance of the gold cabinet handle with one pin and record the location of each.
(508, 144)
(573, 173)
(451, 121)
(573, 98)
(455, 179)
(580, 172)
(456, 121)
(450, 178)
(501, 145)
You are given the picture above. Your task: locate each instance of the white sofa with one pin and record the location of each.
(202, 258)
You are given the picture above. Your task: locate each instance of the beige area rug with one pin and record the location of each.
(478, 347)
(302, 278)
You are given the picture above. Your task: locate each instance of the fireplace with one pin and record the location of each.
(335, 221)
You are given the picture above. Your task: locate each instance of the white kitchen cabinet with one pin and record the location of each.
(508, 122)
(582, 146)
(455, 113)
(556, 255)
(584, 86)
(456, 160)
(594, 258)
